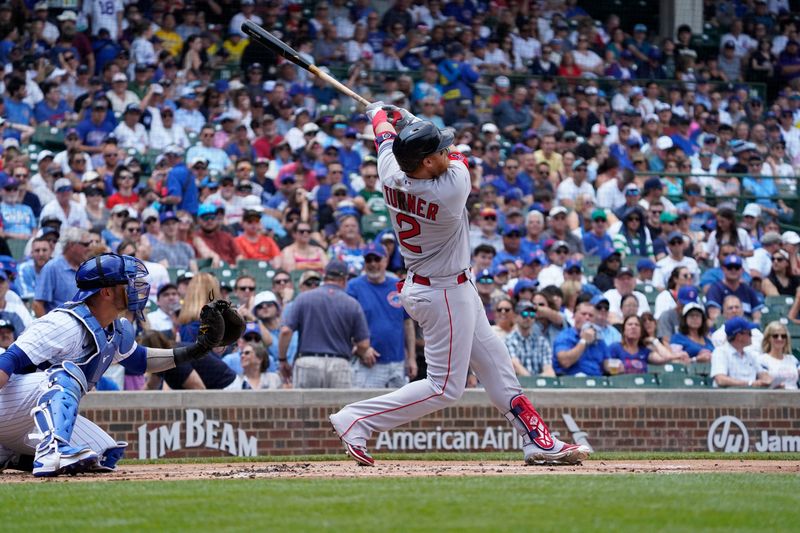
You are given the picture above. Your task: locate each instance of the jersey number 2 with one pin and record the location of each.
(409, 233)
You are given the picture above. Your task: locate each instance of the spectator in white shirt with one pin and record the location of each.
(676, 245)
(760, 263)
(119, 95)
(775, 356)
(624, 284)
(217, 158)
(569, 189)
(167, 132)
(130, 133)
(735, 365)
(70, 213)
(247, 13)
(164, 319)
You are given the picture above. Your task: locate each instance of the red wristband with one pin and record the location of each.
(379, 117)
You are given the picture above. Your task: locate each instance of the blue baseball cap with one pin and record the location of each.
(512, 228)
(374, 249)
(484, 274)
(736, 325)
(605, 253)
(597, 299)
(168, 215)
(688, 294)
(252, 328)
(645, 264)
(500, 270)
(537, 256)
(732, 260)
(206, 209)
(674, 235)
(525, 285)
(209, 183)
(652, 184)
(515, 193)
(573, 263)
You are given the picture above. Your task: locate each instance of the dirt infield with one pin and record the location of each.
(345, 469)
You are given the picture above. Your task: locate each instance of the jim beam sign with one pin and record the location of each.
(200, 432)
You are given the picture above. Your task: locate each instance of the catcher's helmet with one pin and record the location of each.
(417, 141)
(108, 270)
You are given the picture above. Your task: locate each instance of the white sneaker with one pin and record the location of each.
(566, 454)
(64, 460)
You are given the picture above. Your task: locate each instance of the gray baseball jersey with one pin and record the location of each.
(429, 216)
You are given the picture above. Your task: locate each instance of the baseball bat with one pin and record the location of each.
(265, 38)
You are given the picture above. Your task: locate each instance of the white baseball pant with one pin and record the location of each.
(457, 335)
(17, 399)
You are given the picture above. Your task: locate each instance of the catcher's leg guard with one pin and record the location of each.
(54, 416)
(109, 458)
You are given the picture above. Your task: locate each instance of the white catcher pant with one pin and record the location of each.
(17, 399)
(457, 335)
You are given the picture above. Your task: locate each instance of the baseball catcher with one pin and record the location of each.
(62, 355)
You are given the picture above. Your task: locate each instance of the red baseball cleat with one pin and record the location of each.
(567, 454)
(359, 453)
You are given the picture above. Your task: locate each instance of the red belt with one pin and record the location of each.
(422, 280)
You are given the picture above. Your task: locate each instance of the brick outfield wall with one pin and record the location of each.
(296, 422)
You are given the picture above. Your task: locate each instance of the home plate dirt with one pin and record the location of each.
(149, 472)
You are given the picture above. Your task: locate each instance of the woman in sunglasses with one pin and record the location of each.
(302, 254)
(781, 281)
(633, 237)
(776, 356)
(692, 334)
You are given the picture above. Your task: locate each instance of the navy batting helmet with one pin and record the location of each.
(417, 141)
(109, 270)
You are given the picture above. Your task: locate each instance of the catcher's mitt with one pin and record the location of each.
(234, 323)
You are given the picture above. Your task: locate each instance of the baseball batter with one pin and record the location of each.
(425, 186)
(62, 355)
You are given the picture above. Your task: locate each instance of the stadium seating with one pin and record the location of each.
(536, 382)
(637, 381)
(583, 382)
(669, 368)
(681, 381)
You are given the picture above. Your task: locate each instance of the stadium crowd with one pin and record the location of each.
(633, 193)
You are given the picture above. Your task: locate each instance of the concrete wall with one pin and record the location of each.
(294, 422)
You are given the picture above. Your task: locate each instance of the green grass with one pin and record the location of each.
(724, 502)
(482, 456)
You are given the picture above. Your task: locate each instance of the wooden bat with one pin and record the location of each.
(265, 38)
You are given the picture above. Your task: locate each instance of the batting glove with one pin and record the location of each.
(374, 108)
(399, 117)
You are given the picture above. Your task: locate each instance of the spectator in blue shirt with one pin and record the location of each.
(28, 271)
(56, 283)
(764, 190)
(391, 329)
(181, 188)
(17, 111)
(53, 108)
(579, 350)
(94, 129)
(18, 219)
(732, 284)
(699, 212)
(596, 241)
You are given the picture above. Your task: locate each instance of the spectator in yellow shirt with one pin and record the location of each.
(171, 41)
(547, 154)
